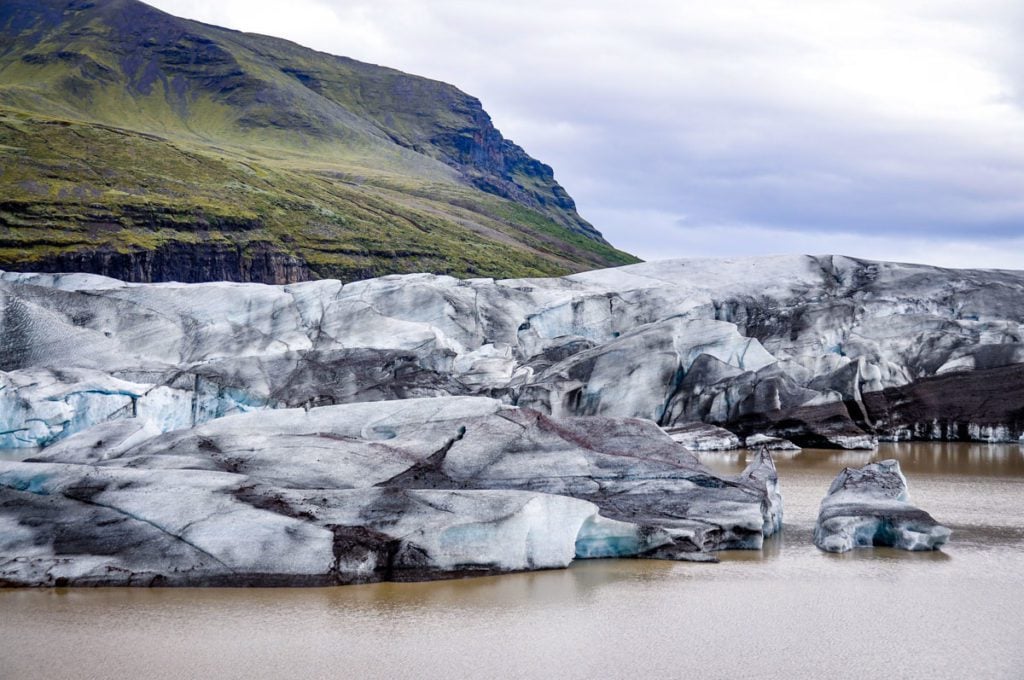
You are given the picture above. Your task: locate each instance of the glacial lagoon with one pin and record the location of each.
(790, 611)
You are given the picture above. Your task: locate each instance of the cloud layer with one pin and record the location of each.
(891, 130)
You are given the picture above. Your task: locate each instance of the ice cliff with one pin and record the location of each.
(823, 351)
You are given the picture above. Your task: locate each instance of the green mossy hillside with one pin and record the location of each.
(126, 132)
(152, 192)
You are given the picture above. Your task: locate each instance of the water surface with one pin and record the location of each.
(790, 611)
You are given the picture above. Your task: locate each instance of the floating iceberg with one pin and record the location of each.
(870, 506)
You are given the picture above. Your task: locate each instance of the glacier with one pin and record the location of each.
(422, 426)
(870, 506)
(393, 490)
(817, 350)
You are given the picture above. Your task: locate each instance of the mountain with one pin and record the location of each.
(147, 147)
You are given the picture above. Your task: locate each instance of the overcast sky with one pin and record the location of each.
(890, 129)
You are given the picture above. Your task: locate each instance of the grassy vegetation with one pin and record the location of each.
(124, 129)
(149, 192)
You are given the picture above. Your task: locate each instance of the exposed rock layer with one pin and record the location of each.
(184, 262)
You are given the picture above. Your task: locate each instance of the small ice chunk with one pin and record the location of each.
(771, 443)
(870, 506)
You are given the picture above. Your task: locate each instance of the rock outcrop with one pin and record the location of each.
(870, 507)
(820, 351)
(184, 262)
(394, 490)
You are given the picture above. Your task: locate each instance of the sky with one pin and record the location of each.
(887, 129)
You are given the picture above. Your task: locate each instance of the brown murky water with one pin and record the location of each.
(789, 612)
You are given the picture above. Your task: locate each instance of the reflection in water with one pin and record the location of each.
(788, 611)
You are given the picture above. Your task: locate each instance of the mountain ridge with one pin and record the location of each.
(128, 135)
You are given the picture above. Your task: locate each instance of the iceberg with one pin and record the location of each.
(392, 490)
(703, 437)
(870, 506)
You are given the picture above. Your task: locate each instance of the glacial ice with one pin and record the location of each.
(41, 406)
(390, 490)
(760, 474)
(797, 347)
(704, 437)
(416, 426)
(870, 506)
(603, 537)
(770, 443)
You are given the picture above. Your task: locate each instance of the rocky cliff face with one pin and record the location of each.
(496, 165)
(183, 262)
(825, 351)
